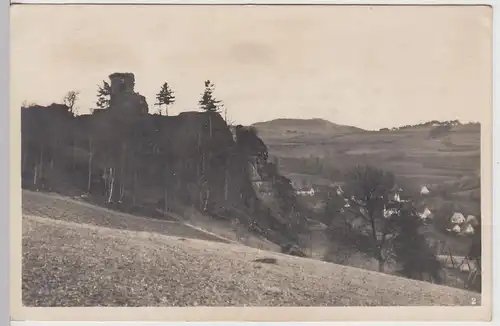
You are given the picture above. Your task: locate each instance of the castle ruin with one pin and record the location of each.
(123, 97)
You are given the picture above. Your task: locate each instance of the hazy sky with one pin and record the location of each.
(370, 67)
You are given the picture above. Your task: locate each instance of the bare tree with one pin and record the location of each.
(70, 100)
(89, 181)
(366, 197)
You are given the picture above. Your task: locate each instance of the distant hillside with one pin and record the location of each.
(304, 124)
(417, 153)
(301, 129)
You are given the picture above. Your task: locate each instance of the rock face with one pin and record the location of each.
(127, 157)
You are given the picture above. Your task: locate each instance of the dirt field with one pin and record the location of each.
(82, 256)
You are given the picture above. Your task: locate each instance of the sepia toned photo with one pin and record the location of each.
(210, 156)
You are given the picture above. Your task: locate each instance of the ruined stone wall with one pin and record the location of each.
(123, 97)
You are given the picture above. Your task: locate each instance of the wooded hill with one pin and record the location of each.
(138, 162)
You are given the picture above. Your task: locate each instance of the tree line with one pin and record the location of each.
(432, 123)
(164, 98)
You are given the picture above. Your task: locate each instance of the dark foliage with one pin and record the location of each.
(412, 250)
(103, 95)
(165, 97)
(208, 102)
(366, 195)
(475, 255)
(133, 160)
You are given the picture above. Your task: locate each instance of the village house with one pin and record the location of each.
(426, 214)
(469, 230)
(395, 194)
(472, 220)
(457, 218)
(424, 190)
(461, 225)
(388, 212)
(305, 192)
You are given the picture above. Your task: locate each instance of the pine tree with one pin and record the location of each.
(208, 102)
(103, 95)
(165, 97)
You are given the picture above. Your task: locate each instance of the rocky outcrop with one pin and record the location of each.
(131, 158)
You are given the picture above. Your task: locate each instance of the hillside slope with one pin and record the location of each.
(74, 258)
(71, 264)
(290, 130)
(448, 163)
(409, 152)
(193, 225)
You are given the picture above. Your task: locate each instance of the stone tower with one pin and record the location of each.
(123, 97)
(122, 83)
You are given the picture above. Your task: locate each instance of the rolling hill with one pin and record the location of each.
(293, 130)
(318, 152)
(82, 255)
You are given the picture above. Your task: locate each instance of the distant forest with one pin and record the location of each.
(432, 123)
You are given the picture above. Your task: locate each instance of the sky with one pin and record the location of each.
(369, 67)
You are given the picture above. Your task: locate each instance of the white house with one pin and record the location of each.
(424, 190)
(309, 192)
(469, 229)
(472, 220)
(426, 214)
(457, 218)
(388, 212)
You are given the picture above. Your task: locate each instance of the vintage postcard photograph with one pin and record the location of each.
(264, 162)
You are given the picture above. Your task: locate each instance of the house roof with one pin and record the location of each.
(457, 215)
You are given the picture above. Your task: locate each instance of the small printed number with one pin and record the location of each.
(473, 301)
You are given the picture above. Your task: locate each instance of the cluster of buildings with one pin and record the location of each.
(461, 225)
